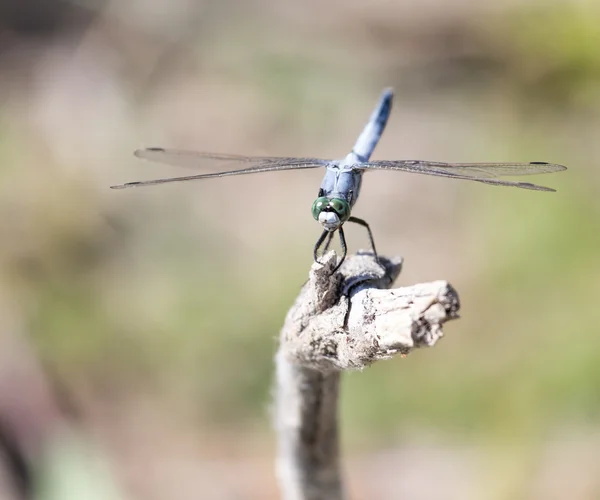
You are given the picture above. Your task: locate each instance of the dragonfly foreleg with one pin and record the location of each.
(328, 235)
(320, 241)
(328, 242)
(344, 249)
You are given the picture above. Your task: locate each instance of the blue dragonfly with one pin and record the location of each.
(343, 178)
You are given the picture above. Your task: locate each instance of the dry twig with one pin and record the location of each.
(344, 321)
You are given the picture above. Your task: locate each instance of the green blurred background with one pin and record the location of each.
(138, 328)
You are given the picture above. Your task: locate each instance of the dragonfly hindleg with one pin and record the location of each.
(364, 223)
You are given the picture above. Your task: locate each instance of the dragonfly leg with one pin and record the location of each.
(363, 223)
(320, 241)
(327, 243)
(344, 249)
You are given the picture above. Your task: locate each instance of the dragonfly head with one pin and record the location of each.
(331, 212)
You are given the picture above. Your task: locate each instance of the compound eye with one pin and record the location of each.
(318, 206)
(341, 208)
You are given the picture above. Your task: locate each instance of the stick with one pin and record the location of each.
(344, 321)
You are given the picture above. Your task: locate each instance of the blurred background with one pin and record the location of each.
(138, 328)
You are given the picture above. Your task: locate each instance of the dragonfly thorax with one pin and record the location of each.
(331, 212)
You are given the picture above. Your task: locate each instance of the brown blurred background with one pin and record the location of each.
(137, 328)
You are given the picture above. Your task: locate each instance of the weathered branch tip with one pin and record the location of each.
(342, 321)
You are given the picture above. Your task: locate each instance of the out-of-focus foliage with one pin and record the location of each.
(157, 310)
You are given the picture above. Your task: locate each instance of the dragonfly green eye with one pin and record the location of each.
(341, 207)
(319, 205)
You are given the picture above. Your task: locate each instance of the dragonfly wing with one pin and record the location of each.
(190, 159)
(193, 159)
(478, 172)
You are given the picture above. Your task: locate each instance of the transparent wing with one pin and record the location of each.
(190, 159)
(478, 172)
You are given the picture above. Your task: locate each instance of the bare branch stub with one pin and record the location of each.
(351, 319)
(342, 321)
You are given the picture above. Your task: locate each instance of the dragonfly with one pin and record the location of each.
(341, 184)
